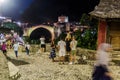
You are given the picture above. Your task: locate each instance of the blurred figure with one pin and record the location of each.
(58, 32)
(73, 46)
(9, 44)
(62, 50)
(27, 48)
(4, 48)
(68, 35)
(42, 44)
(52, 52)
(68, 49)
(68, 40)
(101, 71)
(16, 46)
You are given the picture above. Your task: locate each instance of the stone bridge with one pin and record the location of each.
(36, 32)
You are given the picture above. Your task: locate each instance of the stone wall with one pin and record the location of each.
(90, 54)
(35, 48)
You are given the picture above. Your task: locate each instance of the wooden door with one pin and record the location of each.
(114, 31)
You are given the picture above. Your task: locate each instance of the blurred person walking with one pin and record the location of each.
(4, 48)
(27, 48)
(15, 47)
(101, 71)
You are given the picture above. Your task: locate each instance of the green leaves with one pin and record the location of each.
(87, 39)
(12, 26)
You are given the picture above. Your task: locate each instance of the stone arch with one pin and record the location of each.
(37, 31)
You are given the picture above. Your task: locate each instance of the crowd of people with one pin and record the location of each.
(67, 52)
(66, 47)
(4, 48)
(12, 41)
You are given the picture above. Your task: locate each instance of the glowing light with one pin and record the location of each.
(1, 1)
(7, 5)
(2, 17)
(19, 23)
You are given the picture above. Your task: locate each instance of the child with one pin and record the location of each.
(4, 47)
(52, 53)
(27, 47)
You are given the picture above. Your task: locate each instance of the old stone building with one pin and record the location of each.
(108, 14)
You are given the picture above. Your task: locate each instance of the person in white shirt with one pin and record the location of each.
(73, 46)
(62, 50)
(27, 48)
(15, 47)
(42, 44)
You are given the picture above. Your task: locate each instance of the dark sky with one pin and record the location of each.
(47, 8)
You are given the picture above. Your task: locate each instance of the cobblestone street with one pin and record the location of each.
(59, 39)
(38, 66)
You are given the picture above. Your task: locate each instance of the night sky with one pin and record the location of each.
(50, 9)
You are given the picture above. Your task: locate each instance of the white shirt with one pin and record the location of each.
(61, 45)
(28, 46)
(102, 58)
(42, 40)
(15, 46)
(73, 44)
(102, 55)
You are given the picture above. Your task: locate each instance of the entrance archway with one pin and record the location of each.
(37, 33)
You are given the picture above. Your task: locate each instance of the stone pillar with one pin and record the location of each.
(102, 30)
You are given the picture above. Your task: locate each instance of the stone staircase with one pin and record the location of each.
(8, 71)
(13, 71)
(116, 55)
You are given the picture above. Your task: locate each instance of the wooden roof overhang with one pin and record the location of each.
(107, 10)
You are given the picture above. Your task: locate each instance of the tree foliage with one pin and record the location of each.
(87, 38)
(12, 26)
(85, 19)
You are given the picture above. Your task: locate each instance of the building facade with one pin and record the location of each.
(108, 14)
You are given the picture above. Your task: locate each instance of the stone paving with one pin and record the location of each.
(38, 66)
(4, 72)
